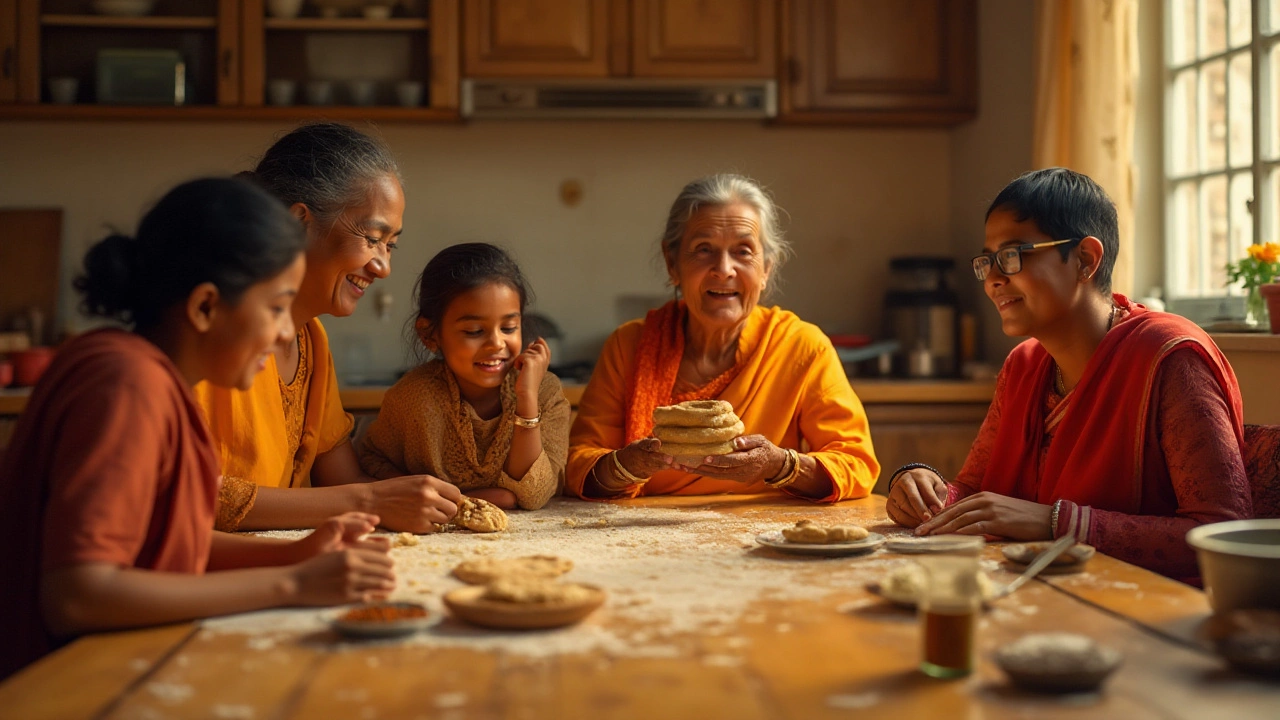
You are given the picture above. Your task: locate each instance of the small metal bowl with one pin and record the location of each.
(357, 623)
(1057, 663)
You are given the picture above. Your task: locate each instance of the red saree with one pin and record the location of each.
(1097, 457)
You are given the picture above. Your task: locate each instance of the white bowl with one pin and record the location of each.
(124, 8)
(1239, 563)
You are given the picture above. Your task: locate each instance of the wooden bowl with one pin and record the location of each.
(1249, 640)
(469, 605)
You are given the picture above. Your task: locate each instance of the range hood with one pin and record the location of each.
(619, 99)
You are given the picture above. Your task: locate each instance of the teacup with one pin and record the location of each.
(319, 92)
(409, 93)
(362, 92)
(64, 90)
(281, 92)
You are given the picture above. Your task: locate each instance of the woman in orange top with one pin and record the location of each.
(806, 430)
(108, 490)
(285, 445)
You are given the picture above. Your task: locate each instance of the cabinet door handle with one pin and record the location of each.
(226, 63)
(8, 62)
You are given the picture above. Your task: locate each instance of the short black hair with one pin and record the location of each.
(1065, 204)
(461, 268)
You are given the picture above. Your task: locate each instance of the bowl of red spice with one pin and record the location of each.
(382, 620)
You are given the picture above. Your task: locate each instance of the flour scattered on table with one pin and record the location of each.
(853, 702)
(450, 700)
(171, 693)
(671, 574)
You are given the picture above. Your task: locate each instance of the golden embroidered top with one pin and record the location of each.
(252, 431)
(425, 427)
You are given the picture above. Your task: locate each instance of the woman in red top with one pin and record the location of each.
(109, 487)
(1113, 423)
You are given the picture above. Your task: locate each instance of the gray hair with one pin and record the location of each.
(718, 191)
(325, 166)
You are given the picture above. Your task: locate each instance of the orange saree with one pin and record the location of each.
(786, 384)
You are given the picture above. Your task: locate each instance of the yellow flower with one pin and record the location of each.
(1255, 252)
(1268, 253)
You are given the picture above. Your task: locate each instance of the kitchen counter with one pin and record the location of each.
(13, 400)
(870, 391)
(1255, 357)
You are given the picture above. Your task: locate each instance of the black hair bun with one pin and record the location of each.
(110, 278)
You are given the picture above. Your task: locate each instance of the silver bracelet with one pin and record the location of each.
(1053, 519)
(527, 422)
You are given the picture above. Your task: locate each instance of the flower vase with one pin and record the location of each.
(1255, 309)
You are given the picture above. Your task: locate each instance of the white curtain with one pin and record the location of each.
(1086, 78)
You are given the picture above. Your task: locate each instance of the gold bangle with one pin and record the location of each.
(608, 481)
(790, 477)
(527, 422)
(631, 479)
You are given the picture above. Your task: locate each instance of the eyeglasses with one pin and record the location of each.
(1009, 259)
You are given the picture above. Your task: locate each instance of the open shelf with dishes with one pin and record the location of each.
(83, 55)
(390, 60)
(346, 53)
(319, 24)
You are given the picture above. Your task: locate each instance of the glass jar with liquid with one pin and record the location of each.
(949, 607)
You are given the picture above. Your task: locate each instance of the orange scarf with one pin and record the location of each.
(1096, 457)
(657, 364)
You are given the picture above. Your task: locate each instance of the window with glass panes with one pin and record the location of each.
(1222, 143)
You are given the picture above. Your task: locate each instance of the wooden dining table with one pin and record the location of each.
(700, 622)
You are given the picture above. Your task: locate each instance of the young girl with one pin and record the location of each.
(479, 413)
(109, 486)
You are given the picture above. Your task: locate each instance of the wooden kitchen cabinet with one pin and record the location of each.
(8, 50)
(536, 38)
(704, 38)
(231, 49)
(620, 38)
(873, 62)
(939, 435)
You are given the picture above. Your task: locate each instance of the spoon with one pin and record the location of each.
(1040, 563)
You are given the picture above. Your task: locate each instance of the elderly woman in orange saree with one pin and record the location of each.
(806, 431)
(1115, 424)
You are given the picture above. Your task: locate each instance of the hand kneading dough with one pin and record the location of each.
(482, 571)
(811, 533)
(480, 516)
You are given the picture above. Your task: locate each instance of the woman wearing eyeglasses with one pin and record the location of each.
(1115, 424)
